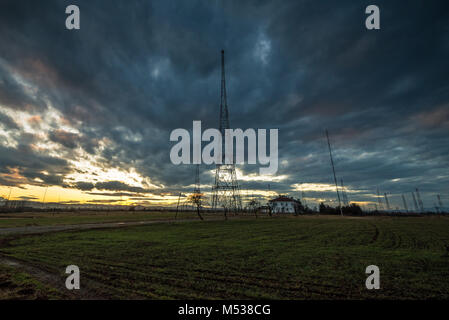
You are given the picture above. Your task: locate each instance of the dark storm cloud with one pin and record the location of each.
(8, 122)
(84, 186)
(111, 186)
(23, 165)
(65, 138)
(114, 194)
(28, 198)
(118, 186)
(12, 93)
(137, 70)
(102, 201)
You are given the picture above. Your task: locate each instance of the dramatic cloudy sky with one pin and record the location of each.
(88, 113)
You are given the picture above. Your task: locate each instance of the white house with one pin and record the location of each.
(283, 204)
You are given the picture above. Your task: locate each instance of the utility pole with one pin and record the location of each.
(405, 203)
(304, 199)
(439, 201)
(45, 194)
(9, 196)
(333, 170)
(379, 199)
(386, 201)
(344, 194)
(177, 206)
(414, 202)
(421, 205)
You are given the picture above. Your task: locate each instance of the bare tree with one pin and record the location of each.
(196, 199)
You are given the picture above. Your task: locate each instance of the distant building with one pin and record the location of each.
(264, 209)
(283, 204)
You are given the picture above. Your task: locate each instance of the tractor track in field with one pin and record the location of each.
(86, 292)
(376, 234)
(89, 226)
(90, 289)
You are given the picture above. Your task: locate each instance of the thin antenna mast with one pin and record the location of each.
(405, 203)
(333, 170)
(421, 205)
(414, 202)
(386, 201)
(439, 201)
(379, 199)
(177, 206)
(9, 195)
(45, 194)
(344, 194)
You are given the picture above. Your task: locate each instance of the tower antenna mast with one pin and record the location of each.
(333, 170)
(405, 203)
(439, 201)
(420, 203)
(386, 201)
(226, 191)
(344, 194)
(9, 195)
(414, 202)
(379, 199)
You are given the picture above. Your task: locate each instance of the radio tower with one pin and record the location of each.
(386, 201)
(344, 194)
(420, 203)
(414, 202)
(333, 170)
(439, 201)
(225, 192)
(379, 199)
(405, 203)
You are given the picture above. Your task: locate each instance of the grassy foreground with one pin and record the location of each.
(280, 258)
(82, 217)
(19, 285)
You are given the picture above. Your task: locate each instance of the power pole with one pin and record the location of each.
(7, 199)
(45, 194)
(9, 195)
(177, 206)
(414, 202)
(379, 199)
(421, 205)
(226, 191)
(405, 203)
(304, 199)
(439, 201)
(333, 170)
(386, 201)
(344, 193)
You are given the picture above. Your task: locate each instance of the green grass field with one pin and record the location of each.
(19, 285)
(81, 217)
(272, 258)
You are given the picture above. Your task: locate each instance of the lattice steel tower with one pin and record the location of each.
(226, 191)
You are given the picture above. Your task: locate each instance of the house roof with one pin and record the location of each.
(283, 199)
